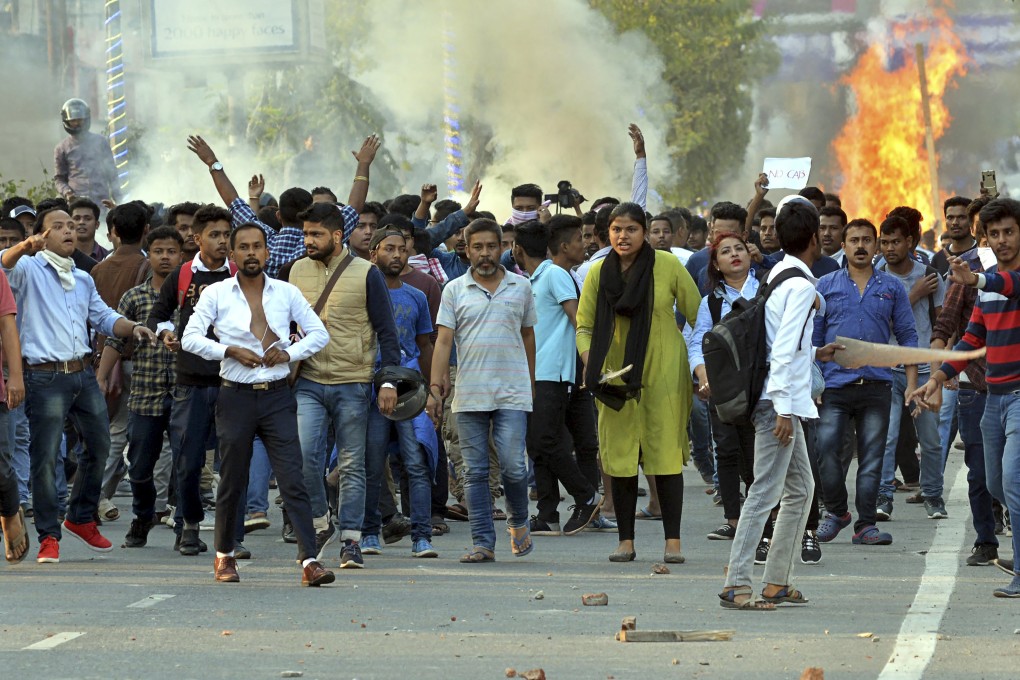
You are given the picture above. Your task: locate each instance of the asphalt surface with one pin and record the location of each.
(150, 613)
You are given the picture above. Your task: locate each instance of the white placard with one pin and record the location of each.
(197, 27)
(787, 173)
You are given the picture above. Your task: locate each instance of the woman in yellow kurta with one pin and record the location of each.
(626, 317)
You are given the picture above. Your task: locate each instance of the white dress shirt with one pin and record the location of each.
(224, 307)
(788, 312)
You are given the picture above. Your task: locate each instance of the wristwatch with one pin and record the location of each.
(216, 167)
(387, 385)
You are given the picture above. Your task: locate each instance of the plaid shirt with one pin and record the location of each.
(953, 320)
(288, 244)
(153, 375)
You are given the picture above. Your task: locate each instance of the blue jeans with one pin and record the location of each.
(346, 407)
(258, 479)
(381, 431)
(948, 421)
(868, 406)
(20, 440)
(1000, 429)
(508, 429)
(971, 409)
(926, 425)
(191, 423)
(51, 398)
(700, 430)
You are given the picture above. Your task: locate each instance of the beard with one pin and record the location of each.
(249, 272)
(323, 255)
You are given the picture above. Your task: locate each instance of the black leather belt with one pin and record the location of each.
(256, 387)
(864, 381)
(72, 366)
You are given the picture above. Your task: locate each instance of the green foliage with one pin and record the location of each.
(33, 192)
(713, 51)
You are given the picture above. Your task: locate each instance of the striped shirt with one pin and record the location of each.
(995, 324)
(492, 369)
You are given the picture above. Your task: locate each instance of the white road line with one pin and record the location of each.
(915, 644)
(149, 601)
(53, 641)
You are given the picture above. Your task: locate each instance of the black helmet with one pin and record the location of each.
(76, 109)
(411, 391)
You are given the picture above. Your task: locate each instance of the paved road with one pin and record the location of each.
(154, 614)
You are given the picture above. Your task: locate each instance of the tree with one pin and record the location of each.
(713, 51)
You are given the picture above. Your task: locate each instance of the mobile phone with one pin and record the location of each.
(988, 182)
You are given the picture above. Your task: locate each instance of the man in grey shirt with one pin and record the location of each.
(83, 164)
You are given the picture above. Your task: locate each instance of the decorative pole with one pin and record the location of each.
(451, 113)
(929, 141)
(116, 104)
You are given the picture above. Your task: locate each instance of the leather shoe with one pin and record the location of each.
(315, 575)
(226, 570)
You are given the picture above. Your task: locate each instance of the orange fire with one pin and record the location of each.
(881, 148)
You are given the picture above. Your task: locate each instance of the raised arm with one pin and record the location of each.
(225, 188)
(359, 190)
(761, 187)
(639, 186)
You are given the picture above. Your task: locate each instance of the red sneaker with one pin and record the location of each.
(49, 551)
(89, 535)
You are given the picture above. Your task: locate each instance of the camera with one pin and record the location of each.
(566, 195)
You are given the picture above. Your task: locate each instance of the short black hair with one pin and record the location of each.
(375, 208)
(481, 225)
(84, 203)
(48, 203)
(605, 200)
(561, 230)
(858, 223)
(953, 202)
(163, 234)
(533, 238)
(697, 225)
(326, 214)
(268, 216)
(589, 217)
(796, 224)
(913, 217)
(405, 204)
(833, 211)
(442, 209)
(725, 210)
(246, 226)
(663, 217)
(422, 242)
(208, 214)
(763, 213)
(397, 221)
(11, 224)
(631, 210)
(185, 208)
(130, 220)
(1000, 209)
(679, 217)
(324, 191)
(894, 224)
(13, 202)
(509, 227)
(833, 198)
(527, 191)
(812, 194)
(292, 202)
(975, 206)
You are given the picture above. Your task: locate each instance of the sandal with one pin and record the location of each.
(13, 539)
(498, 515)
(786, 594)
(457, 511)
(523, 545)
(728, 600)
(478, 555)
(643, 513)
(439, 527)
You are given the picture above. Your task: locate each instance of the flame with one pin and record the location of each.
(881, 148)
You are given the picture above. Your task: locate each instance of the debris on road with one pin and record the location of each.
(540, 595)
(813, 673)
(865, 635)
(658, 568)
(534, 674)
(629, 633)
(291, 674)
(595, 599)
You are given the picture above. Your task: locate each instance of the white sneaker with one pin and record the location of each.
(208, 522)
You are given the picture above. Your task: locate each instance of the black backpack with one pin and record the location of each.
(736, 355)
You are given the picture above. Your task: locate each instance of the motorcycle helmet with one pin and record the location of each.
(412, 392)
(74, 110)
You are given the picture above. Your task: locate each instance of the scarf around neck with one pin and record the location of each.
(63, 266)
(631, 297)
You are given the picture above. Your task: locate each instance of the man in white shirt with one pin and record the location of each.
(251, 315)
(782, 471)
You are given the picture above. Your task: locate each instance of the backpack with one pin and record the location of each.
(736, 355)
(928, 269)
(185, 276)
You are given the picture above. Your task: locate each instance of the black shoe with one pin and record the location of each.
(241, 553)
(761, 553)
(539, 527)
(287, 529)
(29, 512)
(324, 538)
(138, 534)
(208, 501)
(398, 527)
(724, 533)
(810, 549)
(350, 556)
(982, 555)
(582, 515)
(189, 543)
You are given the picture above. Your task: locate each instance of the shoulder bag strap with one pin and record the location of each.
(321, 302)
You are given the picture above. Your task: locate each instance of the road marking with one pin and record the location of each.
(915, 643)
(149, 601)
(53, 641)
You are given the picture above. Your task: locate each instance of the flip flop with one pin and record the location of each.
(787, 594)
(10, 541)
(523, 545)
(498, 515)
(643, 513)
(457, 511)
(478, 555)
(727, 600)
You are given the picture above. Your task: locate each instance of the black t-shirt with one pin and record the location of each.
(941, 259)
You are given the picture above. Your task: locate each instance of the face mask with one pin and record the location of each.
(520, 217)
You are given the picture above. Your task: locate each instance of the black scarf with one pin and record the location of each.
(631, 298)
